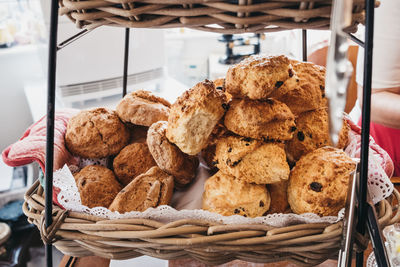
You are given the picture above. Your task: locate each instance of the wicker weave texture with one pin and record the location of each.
(78, 235)
(231, 16)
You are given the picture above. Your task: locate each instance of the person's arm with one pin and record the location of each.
(385, 106)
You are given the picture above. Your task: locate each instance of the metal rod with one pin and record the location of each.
(365, 122)
(51, 100)
(356, 40)
(304, 41)
(73, 38)
(126, 57)
(376, 237)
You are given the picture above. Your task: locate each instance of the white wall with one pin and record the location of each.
(18, 66)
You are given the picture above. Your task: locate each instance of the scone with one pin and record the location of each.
(307, 92)
(318, 183)
(257, 77)
(227, 196)
(143, 108)
(252, 161)
(148, 190)
(97, 186)
(279, 201)
(134, 159)
(169, 157)
(260, 119)
(312, 132)
(194, 115)
(220, 85)
(96, 133)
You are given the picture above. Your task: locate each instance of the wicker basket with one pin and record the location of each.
(79, 235)
(233, 16)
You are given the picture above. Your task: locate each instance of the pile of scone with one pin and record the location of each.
(262, 130)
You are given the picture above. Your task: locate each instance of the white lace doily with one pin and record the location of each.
(379, 184)
(69, 198)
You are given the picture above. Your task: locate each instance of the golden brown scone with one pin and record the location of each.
(279, 201)
(96, 133)
(134, 159)
(148, 190)
(227, 196)
(257, 77)
(312, 132)
(97, 186)
(169, 157)
(251, 160)
(194, 115)
(307, 92)
(143, 108)
(318, 183)
(260, 119)
(138, 133)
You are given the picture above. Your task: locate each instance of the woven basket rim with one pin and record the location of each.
(79, 234)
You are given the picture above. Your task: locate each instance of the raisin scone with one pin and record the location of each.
(143, 108)
(307, 92)
(148, 190)
(169, 157)
(133, 160)
(260, 119)
(251, 160)
(194, 115)
(312, 132)
(318, 183)
(256, 77)
(227, 196)
(96, 133)
(97, 186)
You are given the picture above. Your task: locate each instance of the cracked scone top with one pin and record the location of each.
(96, 133)
(258, 76)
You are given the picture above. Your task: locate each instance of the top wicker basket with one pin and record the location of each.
(229, 16)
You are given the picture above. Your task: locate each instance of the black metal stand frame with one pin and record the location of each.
(364, 216)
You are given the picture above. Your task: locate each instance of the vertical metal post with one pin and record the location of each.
(51, 100)
(304, 41)
(365, 122)
(126, 57)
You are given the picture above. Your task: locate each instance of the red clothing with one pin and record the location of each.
(389, 140)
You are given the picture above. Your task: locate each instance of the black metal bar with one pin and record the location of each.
(356, 40)
(51, 100)
(376, 237)
(73, 38)
(126, 57)
(365, 122)
(304, 41)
